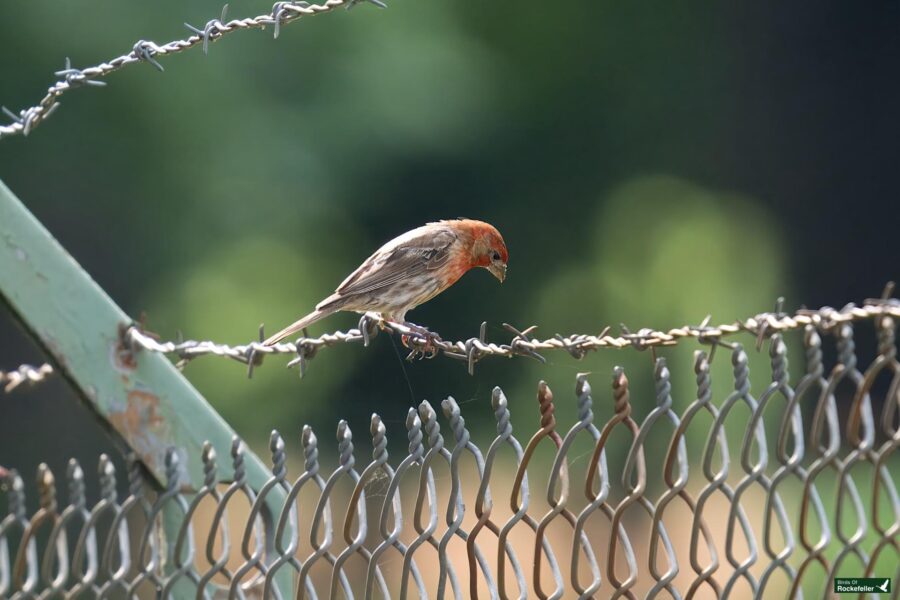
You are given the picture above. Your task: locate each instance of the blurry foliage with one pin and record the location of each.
(662, 253)
(214, 296)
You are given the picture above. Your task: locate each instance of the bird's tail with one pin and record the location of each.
(299, 325)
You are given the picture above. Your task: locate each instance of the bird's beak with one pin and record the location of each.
(498, 270)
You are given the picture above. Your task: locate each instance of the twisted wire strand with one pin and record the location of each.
(282, 13)
(474, 349)
(24, 374)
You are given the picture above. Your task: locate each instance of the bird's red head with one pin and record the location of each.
(488, 250)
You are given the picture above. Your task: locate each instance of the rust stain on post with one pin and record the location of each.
(142, 425)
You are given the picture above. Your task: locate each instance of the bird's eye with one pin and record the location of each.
(495, 255)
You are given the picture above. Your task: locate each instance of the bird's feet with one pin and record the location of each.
(428, 349)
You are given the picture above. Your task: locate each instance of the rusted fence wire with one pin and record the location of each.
(792, 486)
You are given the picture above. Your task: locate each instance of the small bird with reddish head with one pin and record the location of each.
(410, 270)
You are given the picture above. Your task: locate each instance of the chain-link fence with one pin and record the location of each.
(791, 486)
(762, 492)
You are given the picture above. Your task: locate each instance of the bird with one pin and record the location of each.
(411, 269)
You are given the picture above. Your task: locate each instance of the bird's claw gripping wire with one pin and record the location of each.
(428, 346)
(369, 324)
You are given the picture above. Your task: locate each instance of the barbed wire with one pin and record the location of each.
(10, 380)
(474, 349)
(522, 343)
(281, 14)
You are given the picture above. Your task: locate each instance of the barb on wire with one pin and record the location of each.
(523, 342)
(25, 374)
(75, 77)
(145, 51)
(281, 14)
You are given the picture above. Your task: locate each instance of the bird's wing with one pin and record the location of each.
(423, 249)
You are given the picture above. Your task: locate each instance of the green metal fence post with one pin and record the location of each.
(142, 397)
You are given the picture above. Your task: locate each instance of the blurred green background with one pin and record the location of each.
(648, 164)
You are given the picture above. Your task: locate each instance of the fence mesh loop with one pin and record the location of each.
(770, 489)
